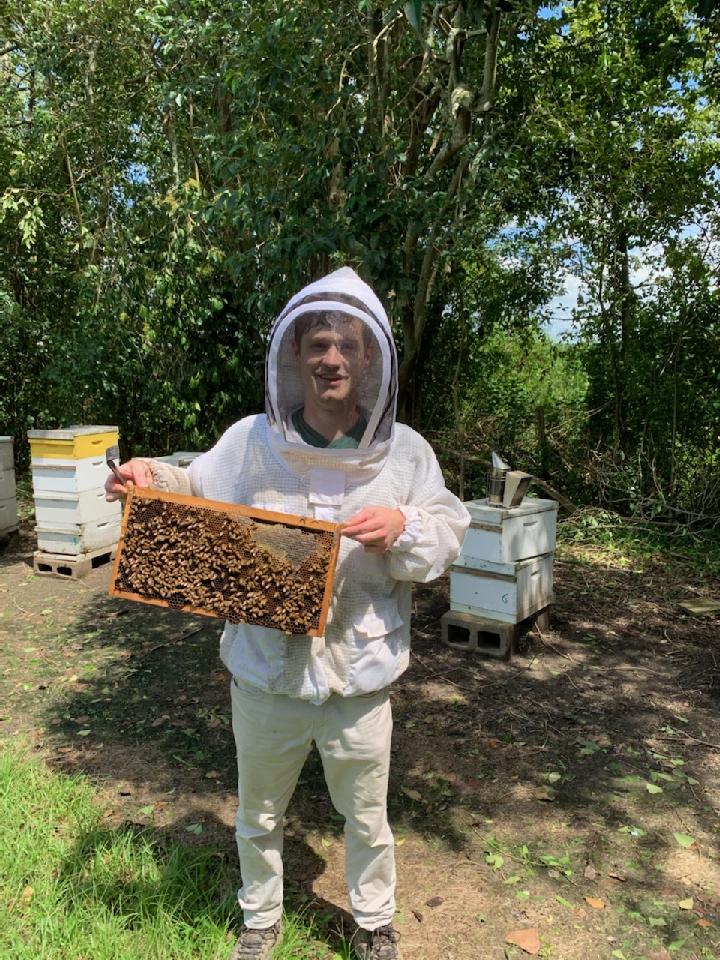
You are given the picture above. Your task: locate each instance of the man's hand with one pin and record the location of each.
(376, 528)
(134, 471)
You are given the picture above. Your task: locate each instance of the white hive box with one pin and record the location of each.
(52, 475)
(505, 535)
(8, 493)
(8, 515)
(81, 538)
(7, 484)
(67, 510)
(508, 592)
(7, 460)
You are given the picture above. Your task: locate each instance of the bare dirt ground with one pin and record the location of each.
(571, 795)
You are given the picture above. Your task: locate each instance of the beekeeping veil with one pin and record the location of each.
(337, 300)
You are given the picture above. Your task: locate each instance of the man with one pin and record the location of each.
(328, 446)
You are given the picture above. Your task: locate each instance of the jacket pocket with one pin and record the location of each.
(379, 619)
(379, 647)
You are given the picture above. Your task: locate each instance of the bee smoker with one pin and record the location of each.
(496, 479)
(505, 486)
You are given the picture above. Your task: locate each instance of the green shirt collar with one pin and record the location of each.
(349, 441)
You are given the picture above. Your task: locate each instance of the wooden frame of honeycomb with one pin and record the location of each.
(226, 560)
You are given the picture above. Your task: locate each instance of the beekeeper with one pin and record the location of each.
(327, 446)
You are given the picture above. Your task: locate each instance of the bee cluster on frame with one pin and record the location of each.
(232, 562)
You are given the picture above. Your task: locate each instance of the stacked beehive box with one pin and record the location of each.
(503, 576)
(8, 497)
(77, 528)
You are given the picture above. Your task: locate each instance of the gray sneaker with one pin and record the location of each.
(256, 944)
(380, 944)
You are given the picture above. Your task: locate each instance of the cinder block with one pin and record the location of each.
(71, 567)
(488, 638)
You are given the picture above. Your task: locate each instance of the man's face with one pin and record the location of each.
(333, 361)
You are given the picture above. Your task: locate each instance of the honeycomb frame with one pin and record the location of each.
(312, 576)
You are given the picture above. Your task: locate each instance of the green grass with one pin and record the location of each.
(74, 888)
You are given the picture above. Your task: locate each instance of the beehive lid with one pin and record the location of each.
(69, 433)
(226, 560)
(486, 512)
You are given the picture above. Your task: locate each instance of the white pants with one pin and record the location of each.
(273, 735)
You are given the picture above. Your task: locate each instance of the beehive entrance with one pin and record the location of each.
(223, 560)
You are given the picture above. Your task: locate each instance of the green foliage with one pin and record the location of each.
(171, 172)
(625, 541)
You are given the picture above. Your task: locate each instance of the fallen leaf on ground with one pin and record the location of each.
(434, 902)
(544, 793)
(418, 916)
(595, 903)
(686, 904)
(684, 840)
(658, 955)
(702, 922)
(527, 939)
(27, 894)
(589, 872)
(413, 794)
(617, 876)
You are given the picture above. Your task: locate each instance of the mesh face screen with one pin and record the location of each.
(225, 564)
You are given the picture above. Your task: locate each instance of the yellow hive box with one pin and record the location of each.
(72, 443)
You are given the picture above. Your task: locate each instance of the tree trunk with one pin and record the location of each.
(421, 262)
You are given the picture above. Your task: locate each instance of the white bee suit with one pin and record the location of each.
(291, 691)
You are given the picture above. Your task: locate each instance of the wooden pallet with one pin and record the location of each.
(71, 566)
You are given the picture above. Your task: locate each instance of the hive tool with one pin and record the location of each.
(111, 455)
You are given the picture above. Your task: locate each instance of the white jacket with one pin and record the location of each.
(260, 461)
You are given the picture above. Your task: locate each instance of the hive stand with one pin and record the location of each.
(71, 566)
(489, 638)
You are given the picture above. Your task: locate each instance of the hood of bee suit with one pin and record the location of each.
(336, 302)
